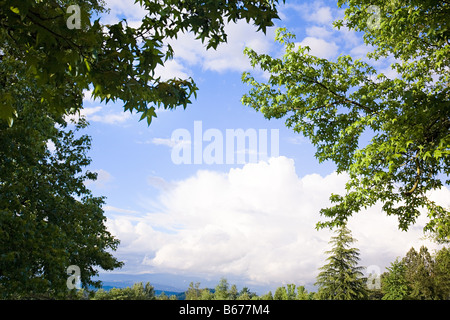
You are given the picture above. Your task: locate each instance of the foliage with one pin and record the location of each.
(337, 104)
(341, 278)
(137, 292)
(116, 61)
(418, 276)
(441, 274)
(48, 218)
(194, 291)
(419, 273)
(395, 285)
(289, 293)
(222, 290)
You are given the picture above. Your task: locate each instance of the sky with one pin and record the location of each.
(205, 216)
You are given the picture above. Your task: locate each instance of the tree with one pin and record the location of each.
(267, 296)
(193, 292)
(137, 292)
(246, 294)
(394, 283)
(116, 61)
(341, 278)
(233, 293)
(221, 291)
(442, 274)
(49, 220)
(408, 118)
(280, 294)
(420, 274)
(206, 294)
(288, 292)
(303, 294)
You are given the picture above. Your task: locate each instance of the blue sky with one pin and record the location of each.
(252, 222)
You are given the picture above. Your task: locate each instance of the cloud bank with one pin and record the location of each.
(256, 223)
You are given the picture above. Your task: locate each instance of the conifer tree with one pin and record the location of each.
(341, 278)
(394, 283)
(420, 273)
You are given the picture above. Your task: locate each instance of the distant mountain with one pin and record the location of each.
(170, 283)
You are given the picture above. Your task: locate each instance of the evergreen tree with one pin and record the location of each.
(394, 283)
(280, 294)
(442, 274)
(246, 294)
(193, 292)
(221, 292)
(302, 294)
(420, 274)
(341, 278)
(233, 293)
(267, 296)
(206, 294)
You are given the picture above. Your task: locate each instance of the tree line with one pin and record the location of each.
(419, 275)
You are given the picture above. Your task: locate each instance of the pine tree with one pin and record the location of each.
(394, 283)
(420, 273)
(222, 290)
(193, 292)
(341, 278)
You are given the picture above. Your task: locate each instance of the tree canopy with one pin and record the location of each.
(116, 61)
(49, 220)
(418, 276)
(50, 53)
(338, 104)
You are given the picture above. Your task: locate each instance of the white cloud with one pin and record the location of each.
(318, 32)
(120, 9)
(172, 69)
(111, 118)
(320, 47)
(321, 15)
(256, 222)
(314, 12)
(229, 55)
(168, 142)
(102, 114)
(87, 96)
(108, 208)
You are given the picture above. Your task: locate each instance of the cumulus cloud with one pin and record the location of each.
(320, 47)
(120, 9)
(101, 114)
(172, 69)
(228, 56)
(256, 222)
(315, 12)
